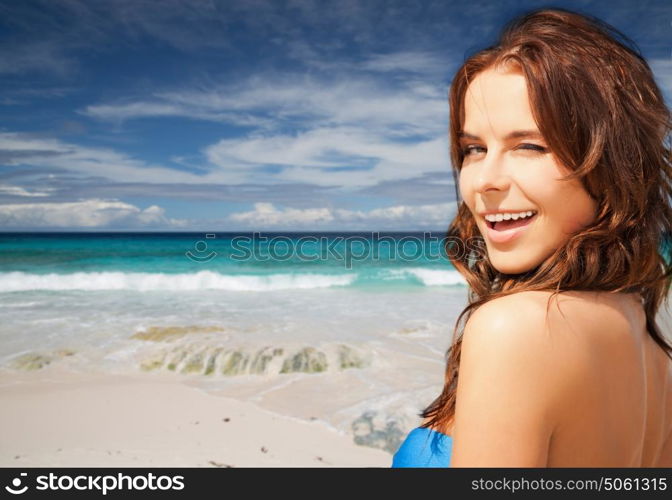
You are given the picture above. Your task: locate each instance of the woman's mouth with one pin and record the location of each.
(505, 230)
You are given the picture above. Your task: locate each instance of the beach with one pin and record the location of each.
(119, 351)
(336, 402)
(158, 400)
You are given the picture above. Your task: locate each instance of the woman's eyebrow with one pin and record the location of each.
(516, 134)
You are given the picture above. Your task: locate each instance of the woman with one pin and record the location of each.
(558, 137)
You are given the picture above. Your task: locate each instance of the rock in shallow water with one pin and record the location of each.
(368, 431)
(207, 359)
(37, 361)
(308, 360)
(170, 333)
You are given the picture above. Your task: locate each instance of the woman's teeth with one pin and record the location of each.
(509, 215)
(509, 220)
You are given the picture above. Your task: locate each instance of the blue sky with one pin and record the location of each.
(189, 115)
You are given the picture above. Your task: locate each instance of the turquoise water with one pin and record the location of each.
(229, 261)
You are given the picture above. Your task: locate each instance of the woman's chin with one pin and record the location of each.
(509, 266)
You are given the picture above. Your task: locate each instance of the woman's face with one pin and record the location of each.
(507, 169)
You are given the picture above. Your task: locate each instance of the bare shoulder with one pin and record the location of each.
(516, 379)
(531, 318)
(540, 340)
(511, 308)
(564, 321)
(507, 332)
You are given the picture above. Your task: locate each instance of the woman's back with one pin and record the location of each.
(622, 417)
(621, 413)
(657, 448)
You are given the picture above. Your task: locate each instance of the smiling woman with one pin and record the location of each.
(560, 158)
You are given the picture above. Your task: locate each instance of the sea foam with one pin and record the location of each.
(433, 277)
(202, 280)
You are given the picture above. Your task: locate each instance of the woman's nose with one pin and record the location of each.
(491, 175)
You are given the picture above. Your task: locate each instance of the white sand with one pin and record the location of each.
(54, 418)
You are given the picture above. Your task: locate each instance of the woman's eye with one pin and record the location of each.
(533, 147)
(468, 149)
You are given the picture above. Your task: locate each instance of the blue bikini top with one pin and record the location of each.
(424, 447)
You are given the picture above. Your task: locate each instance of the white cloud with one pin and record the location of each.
(351, 131)
(350, 134)
(6, 189)
(339, 156)
(24, 150)
(267, 215)
(151, 109)
(410, 61)
(273, 100)
(36, 56)
(84, 214)
(423, 213)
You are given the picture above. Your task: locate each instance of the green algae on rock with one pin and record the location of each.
(204, 359)
(263, 358)
(169, 333)
(308, 360)
(37, 361)
(349, 358)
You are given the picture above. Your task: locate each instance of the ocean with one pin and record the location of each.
(346, 328)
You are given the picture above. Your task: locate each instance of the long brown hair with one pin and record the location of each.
(596, 103)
